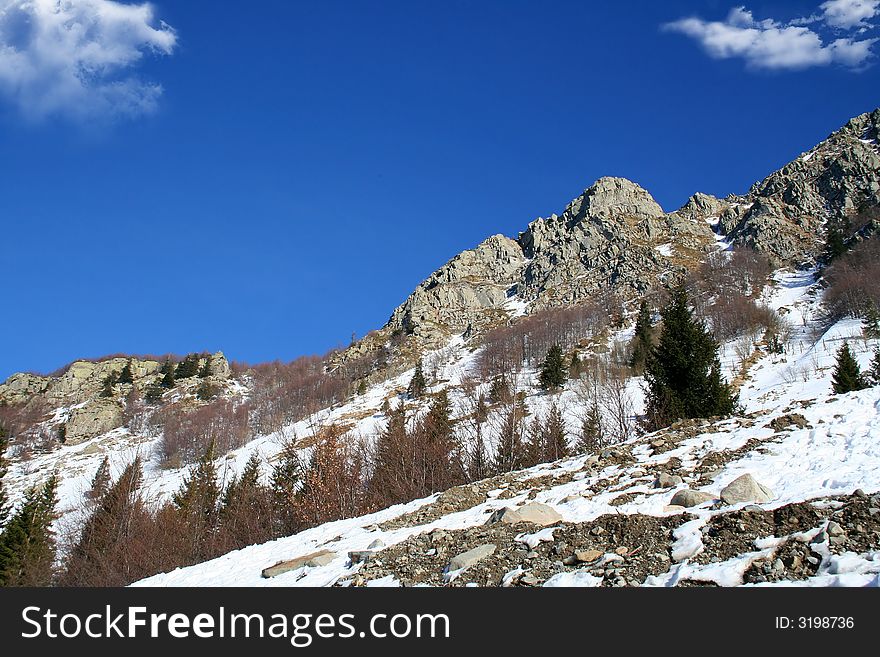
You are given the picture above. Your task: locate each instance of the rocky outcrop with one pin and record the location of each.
(615, 237)
(783, 215)
(80, 386)
(92, 419)
(471, 288)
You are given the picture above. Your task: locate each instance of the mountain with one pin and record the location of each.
(616, 238)
(784, 492)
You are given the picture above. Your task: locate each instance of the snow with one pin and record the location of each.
(838, 452)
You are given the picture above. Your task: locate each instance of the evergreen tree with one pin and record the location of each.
(153, 394)
(500, 391)
(188, 367)
(874, 372)
(107, 385)
(102, 555)
(27, 544)
(198, 502)
(206, 391)
(553, 374)
(285, 482)
(101, 481)
(206, 370)
(245, 514)
(682, 370)
(847, 376)
(835, 238)
(643, 339)
(591, 438)
(125, 376)
(4, 466)
(397, 462)
(555, 436)
(362, 387)
(871, 322)
(417, 384)
(167, 373)
(533, 448)
(510, 453)
(443, 467)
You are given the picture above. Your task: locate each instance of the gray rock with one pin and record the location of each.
(534, 513)
(688, 498)
(313, 560)
(665, 480)
(745, 489)
(360, 556)
(469, 558)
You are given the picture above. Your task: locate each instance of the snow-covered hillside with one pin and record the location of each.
(818, 454)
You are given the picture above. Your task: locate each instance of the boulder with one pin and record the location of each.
(313, 560)
(469, 558)
(665, 480)
(533, 512)
(745, 489)
(688, 498)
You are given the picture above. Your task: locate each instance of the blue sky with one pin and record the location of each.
(268, 179)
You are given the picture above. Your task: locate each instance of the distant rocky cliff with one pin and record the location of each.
(615, 237)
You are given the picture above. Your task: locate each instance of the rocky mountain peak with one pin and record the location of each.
(615, 197)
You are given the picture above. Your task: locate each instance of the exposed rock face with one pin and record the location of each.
(782, 215)
(80, 387)
(472, 284)
(94, 418)
(615, 237)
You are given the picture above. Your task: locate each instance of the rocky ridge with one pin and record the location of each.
(615, 237)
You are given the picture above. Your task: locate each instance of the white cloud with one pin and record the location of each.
(74, 57)
(848, 14)
(769, 44)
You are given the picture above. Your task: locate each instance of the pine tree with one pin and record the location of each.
(107, 385)
(188, 367)
(153, 394)
(362, 387)
(206, 391)
(417, 384)
(245, 514)
(285, 482)
(871, 322)
(553, 374)
(4, 466)
(102, 555)
(533, 448)
(643, 339)
(27, 544)
(101, 481)
(591, 438)
(167, 373)
(125, 376)
(555, 436)
(835, 239)
(510, 453)
(874, 371)
(397, 462)
(847, 376)
(206, 370)
(198, 502)
(443, 468)
(682, 370)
